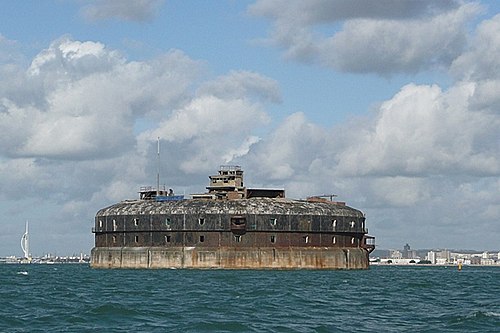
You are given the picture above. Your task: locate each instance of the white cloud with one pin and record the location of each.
(329, 11)
(481, 61)
(381, 37)
(128, 10)
(243, 84)
(88, 100)
(289, 150)
(423, 131)
(214, 127)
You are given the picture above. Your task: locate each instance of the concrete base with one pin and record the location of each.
(229, 258)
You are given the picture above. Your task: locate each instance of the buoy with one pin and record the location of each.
(459, 265)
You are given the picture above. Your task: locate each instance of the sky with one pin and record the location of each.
(392, 105)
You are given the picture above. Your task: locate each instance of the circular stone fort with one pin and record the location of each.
(230, 227)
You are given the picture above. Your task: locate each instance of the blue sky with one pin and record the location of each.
(392, 105)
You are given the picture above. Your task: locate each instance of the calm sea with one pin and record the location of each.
(76, 298)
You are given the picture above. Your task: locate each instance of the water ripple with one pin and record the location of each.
(75, 298)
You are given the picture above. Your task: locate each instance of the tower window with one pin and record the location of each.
(353, 224)
(353, 240)
(136, 239)
(202, 239)
(201, 221)
(306, 239)
(273, 239)
(114, 225)
(334, 240)
(334, 223)
(237, 238)
(136, 222)
(273, 221)
(167, 239)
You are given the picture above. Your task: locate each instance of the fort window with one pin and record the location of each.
(100, 223)
(273, 221)
(167, 239)
(352, 240)
(114, 225)
(202, 239)
(114, 239)
(201, 221)
(167, 222)
(136, 222)
(238, 225)
(273, 239)
(334, 240)
(353, 224)
(306, 239)
(237, 238)
(136, 239)
(334, 223)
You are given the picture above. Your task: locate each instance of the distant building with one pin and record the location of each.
(431, 256)
(444, 254)
(408, 253)
(406, 249)
(395, 254)
(487, 261)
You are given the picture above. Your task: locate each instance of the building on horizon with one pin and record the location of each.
(431, 256)
(408, 253)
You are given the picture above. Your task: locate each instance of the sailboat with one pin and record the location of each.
(25, 246)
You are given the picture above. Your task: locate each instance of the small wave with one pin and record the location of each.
(22, 273)
(477, 315)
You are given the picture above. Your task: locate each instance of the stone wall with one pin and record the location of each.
(229, 258)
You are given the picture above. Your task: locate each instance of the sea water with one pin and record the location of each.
(76, 298)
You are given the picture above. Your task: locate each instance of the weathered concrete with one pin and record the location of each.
(230, 258)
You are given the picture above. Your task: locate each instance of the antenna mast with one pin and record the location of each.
(158, 171)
